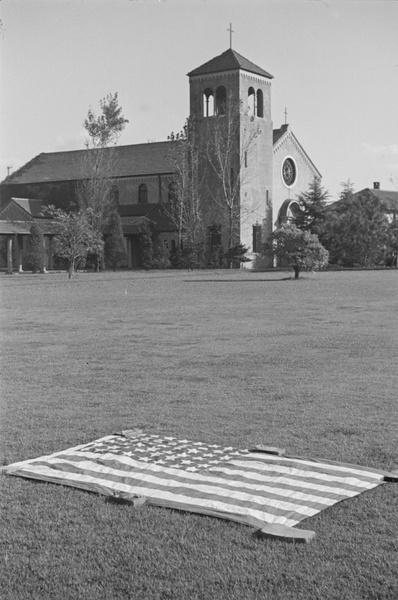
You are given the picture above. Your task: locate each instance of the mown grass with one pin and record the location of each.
(234, 358)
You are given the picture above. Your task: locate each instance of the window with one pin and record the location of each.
(142, 194)
(289, 172)
(221, 100)
(208, 103)
(245, 158)
(251, 102)
(260, 104)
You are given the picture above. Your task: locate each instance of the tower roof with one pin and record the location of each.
(229, 61)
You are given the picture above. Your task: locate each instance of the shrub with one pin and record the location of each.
(35, 249)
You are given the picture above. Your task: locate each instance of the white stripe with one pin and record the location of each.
(293, 483)
(330, 467)
(305, 474)
(163, 495)
(246, 474)
(208, 489)
(73, 450)
(289, 493)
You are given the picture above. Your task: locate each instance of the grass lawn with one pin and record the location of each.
(233, 358)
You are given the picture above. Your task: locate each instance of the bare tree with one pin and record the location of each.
(229, 140)
(186, 198)
(96, 192)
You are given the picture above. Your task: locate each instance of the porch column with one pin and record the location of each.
(50, 253)
(9, 255)
(19, 247)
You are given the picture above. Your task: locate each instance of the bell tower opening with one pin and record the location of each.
(208, 103)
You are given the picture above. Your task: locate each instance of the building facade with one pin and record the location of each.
(271, 165)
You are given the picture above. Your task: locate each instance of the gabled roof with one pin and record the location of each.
(32, 206)
(284, 133)
(389, 198)
(229, 60)
(19, 214)
(278, 133)
(129, 161)
(21, 209)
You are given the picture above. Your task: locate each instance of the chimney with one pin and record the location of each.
(376, 185)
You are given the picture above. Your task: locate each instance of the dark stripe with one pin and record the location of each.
(318, 466)
(305, 487)
(188, 492)
(251, 466)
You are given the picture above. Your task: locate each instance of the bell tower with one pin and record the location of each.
(231, 78)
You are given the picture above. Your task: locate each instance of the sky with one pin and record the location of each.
(335, 68)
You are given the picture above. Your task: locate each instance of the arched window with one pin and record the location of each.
(221, 100)
(172, 195)
(114, 195)
(260, 103)
(142, 194)
(251, 102)
(208, 102)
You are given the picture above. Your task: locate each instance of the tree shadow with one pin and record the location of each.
(238, 280)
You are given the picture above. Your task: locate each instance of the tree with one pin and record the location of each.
(392, 243)
(97, 190)
(115, 243)
(105, 129)
(75, 237)
(356, 231)
(227, 144)
(186, 191)
(236, 254)
(298, 249)
(334, 231)
(146, 246)
(35, 249)
(160, 253)
(312, 204)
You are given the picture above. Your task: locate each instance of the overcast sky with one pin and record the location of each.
(335, 68)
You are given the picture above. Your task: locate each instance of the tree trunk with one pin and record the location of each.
(71, 269)
(296, 272)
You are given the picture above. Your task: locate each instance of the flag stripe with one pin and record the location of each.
(288, 482)
(240, 477)
(296, 474)
(321, 467)
(303, 480)
(253, 487)
(275, 504)
(95, 482)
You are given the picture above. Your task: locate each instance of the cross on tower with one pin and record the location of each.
(285, 116)
(231, 31)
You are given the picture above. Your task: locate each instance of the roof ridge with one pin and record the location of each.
(229, 60)
(106, 148)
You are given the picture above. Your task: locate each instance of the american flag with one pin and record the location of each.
(252, 487)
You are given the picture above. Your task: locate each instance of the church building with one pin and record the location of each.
(274, 168)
